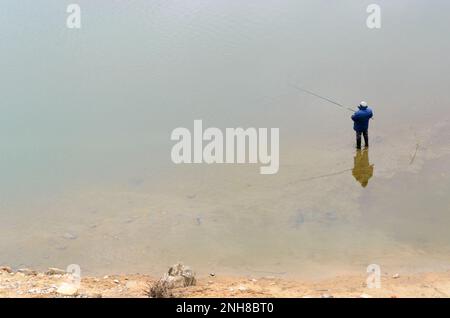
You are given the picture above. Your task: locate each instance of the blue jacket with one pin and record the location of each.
(361, 119)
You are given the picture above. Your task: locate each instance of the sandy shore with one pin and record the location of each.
(29, 283)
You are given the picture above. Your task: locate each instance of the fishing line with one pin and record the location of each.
(323, 98)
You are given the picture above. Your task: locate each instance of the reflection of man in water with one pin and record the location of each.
(362, 170)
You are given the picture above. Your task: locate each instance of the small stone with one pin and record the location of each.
(365, 296)
(326, 296)
(55, 271)
(116, 281)
(67, 290)
(6, 269)
(131, 284)
(27, 271)
(242, 288)
(212, 274)
(395, 276)
(105, 277)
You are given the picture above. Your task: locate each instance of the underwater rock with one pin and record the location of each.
(70, 236)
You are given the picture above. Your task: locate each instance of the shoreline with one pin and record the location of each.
(27, 283)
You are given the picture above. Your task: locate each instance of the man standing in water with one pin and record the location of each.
(361, 124)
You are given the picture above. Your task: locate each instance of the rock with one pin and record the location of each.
(326, 296)
(365, 296)
(395, 276)
(105, 277)
(67, 290)
(55, 271)
(212, 274)
(70, 236)
(242, 288)
(178, 276)
(6, 269)
(116, 281)
(27, 271)
(131, 284)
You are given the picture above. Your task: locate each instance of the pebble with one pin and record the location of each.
(5, 269)
(212, 274)
(395, 276)
(116, 281)
(242, 288)
(365, 296)
(27, 271)
(131, 284)
(67, 290)
(55, 271)
(326, 296)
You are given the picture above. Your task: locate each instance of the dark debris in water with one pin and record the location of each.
(303, 216)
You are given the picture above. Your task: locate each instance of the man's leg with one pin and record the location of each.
(366, 138)
(358, 140)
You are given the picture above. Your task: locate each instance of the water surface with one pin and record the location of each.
(86, 117)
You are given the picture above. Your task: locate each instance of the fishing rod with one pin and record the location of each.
(324, 98)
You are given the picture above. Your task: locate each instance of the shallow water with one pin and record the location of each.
(87, 115)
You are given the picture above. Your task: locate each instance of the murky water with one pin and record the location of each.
(86, 117)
